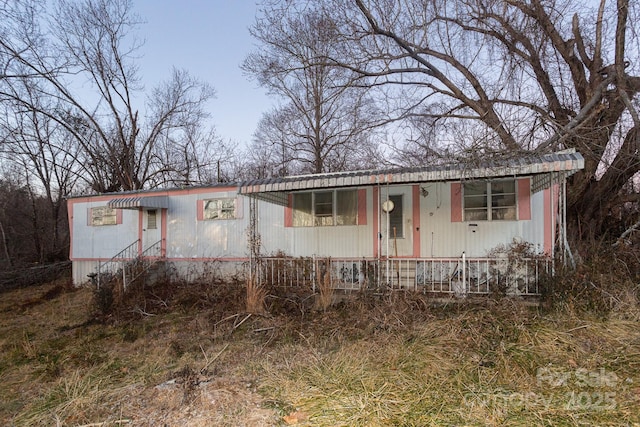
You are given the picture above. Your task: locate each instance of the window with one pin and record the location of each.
(302, 210)
(324, 208)
(346, 207)
(396, 217)
(475, 201)
(490, 200)
(219, 209)
(103, 215)
(152, 222)
(503, 200)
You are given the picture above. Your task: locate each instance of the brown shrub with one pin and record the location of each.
(604, 282)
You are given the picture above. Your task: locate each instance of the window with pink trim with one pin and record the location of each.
(490, 200)
(103, 215)
(222, 208)
(325, 208)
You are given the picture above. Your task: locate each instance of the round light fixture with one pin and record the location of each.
(387, 206)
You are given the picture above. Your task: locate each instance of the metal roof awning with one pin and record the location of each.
(149, 202)
(276, 197)
(566, 163)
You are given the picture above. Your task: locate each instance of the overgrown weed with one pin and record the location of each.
(191, 354)
(606, 282)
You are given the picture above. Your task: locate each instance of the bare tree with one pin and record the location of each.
(269, 154)
(24, 223)
(46, 160)
(76, 66)
(526, 76)
(325, 123)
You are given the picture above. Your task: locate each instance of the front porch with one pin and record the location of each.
(513, 276)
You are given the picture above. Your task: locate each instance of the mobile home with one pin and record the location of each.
(435, 228)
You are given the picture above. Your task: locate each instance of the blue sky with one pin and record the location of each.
(210, 39)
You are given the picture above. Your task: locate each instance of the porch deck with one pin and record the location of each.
(448, 276)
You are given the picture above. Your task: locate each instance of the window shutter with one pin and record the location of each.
(362, 207)
(288, 211)
(200, 210)
(456, 202)
(524, 199)
(239, 207)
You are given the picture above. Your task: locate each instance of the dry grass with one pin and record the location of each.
(191, 358)
(256, 294)
(324, 299)
(469, 369)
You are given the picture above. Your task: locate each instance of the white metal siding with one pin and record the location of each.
(102, 241)
(442, 238)
(336, 241)
(189, 238)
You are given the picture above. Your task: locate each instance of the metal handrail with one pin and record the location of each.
(127, 256)
(156, 248)
(127, 253)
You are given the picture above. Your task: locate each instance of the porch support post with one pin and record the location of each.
(553, 223)
(313, 273)
(464, 273)
(250, 241)
(124, 276)
(254, 239)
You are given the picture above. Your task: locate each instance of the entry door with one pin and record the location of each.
(151, 231)
(397, 217)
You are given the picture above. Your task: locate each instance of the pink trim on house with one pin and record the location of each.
(163, 232)
(362, 206)
(70, 219)
(376, 226)
(288, 211)
(200, 210)
(415, 204)
(549, 218)
(524, 199)
(456, 202)
(118, 216)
